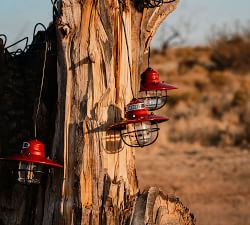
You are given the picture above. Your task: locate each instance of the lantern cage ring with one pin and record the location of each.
(30, 173)
(140, 134)
(154, 99)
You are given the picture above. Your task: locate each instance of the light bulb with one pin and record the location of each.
(143, 133)
(29, 173)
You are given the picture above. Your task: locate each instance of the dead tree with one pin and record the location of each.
(98, 184)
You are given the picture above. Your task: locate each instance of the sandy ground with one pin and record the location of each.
(213, 183)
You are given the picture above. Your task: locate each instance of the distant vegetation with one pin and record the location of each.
(230, 50)
(212, 104)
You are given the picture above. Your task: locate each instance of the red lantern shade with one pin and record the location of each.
(139, 128)
(31, 161)
(152, 91)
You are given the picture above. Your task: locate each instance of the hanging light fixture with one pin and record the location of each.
(139, 128)
(153, 92)
(32, 163)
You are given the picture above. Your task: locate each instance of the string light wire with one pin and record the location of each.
(41, 89)
(5, 39)
(127, 45)
(149, 57)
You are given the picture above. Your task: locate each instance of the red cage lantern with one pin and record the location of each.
(32, 162)
(139, 128)
(153, 92)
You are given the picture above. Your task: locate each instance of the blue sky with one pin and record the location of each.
(193, 18)
(18, 18)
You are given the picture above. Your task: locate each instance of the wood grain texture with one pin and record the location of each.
(153, 207)
(98, 184)
(99, 179)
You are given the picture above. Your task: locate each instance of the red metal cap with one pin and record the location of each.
(136, 109)
(136, 112)
(33, 148)
(150, 80)
(33, 151)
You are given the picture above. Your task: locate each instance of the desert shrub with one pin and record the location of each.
(186, 95)
(186, 65)
(245, 121)
(241, 97)
(207, 132)
(184, 53)
(195, 130)
(220, 103)
(231, 50)
(220, 79)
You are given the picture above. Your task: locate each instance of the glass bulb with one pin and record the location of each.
(29, 173)
(152, 103)
(143, 133)
(154, 100)
(140, 134)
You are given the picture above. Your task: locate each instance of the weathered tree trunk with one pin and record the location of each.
(98, 184)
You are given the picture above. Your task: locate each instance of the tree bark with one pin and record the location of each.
(98, 184)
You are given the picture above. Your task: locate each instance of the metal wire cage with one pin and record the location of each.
(139, 128)
(153, 92)
(154, 99)
(31, 163)
(30, 173)
(140, 134)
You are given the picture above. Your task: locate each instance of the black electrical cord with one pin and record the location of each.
(34, 30)
(41, 89)
(5, 39)
(156, 3)
(26, 39)
(17, 52)
(54, 9)
(126, 39)
(140, 5)
(17, 42)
